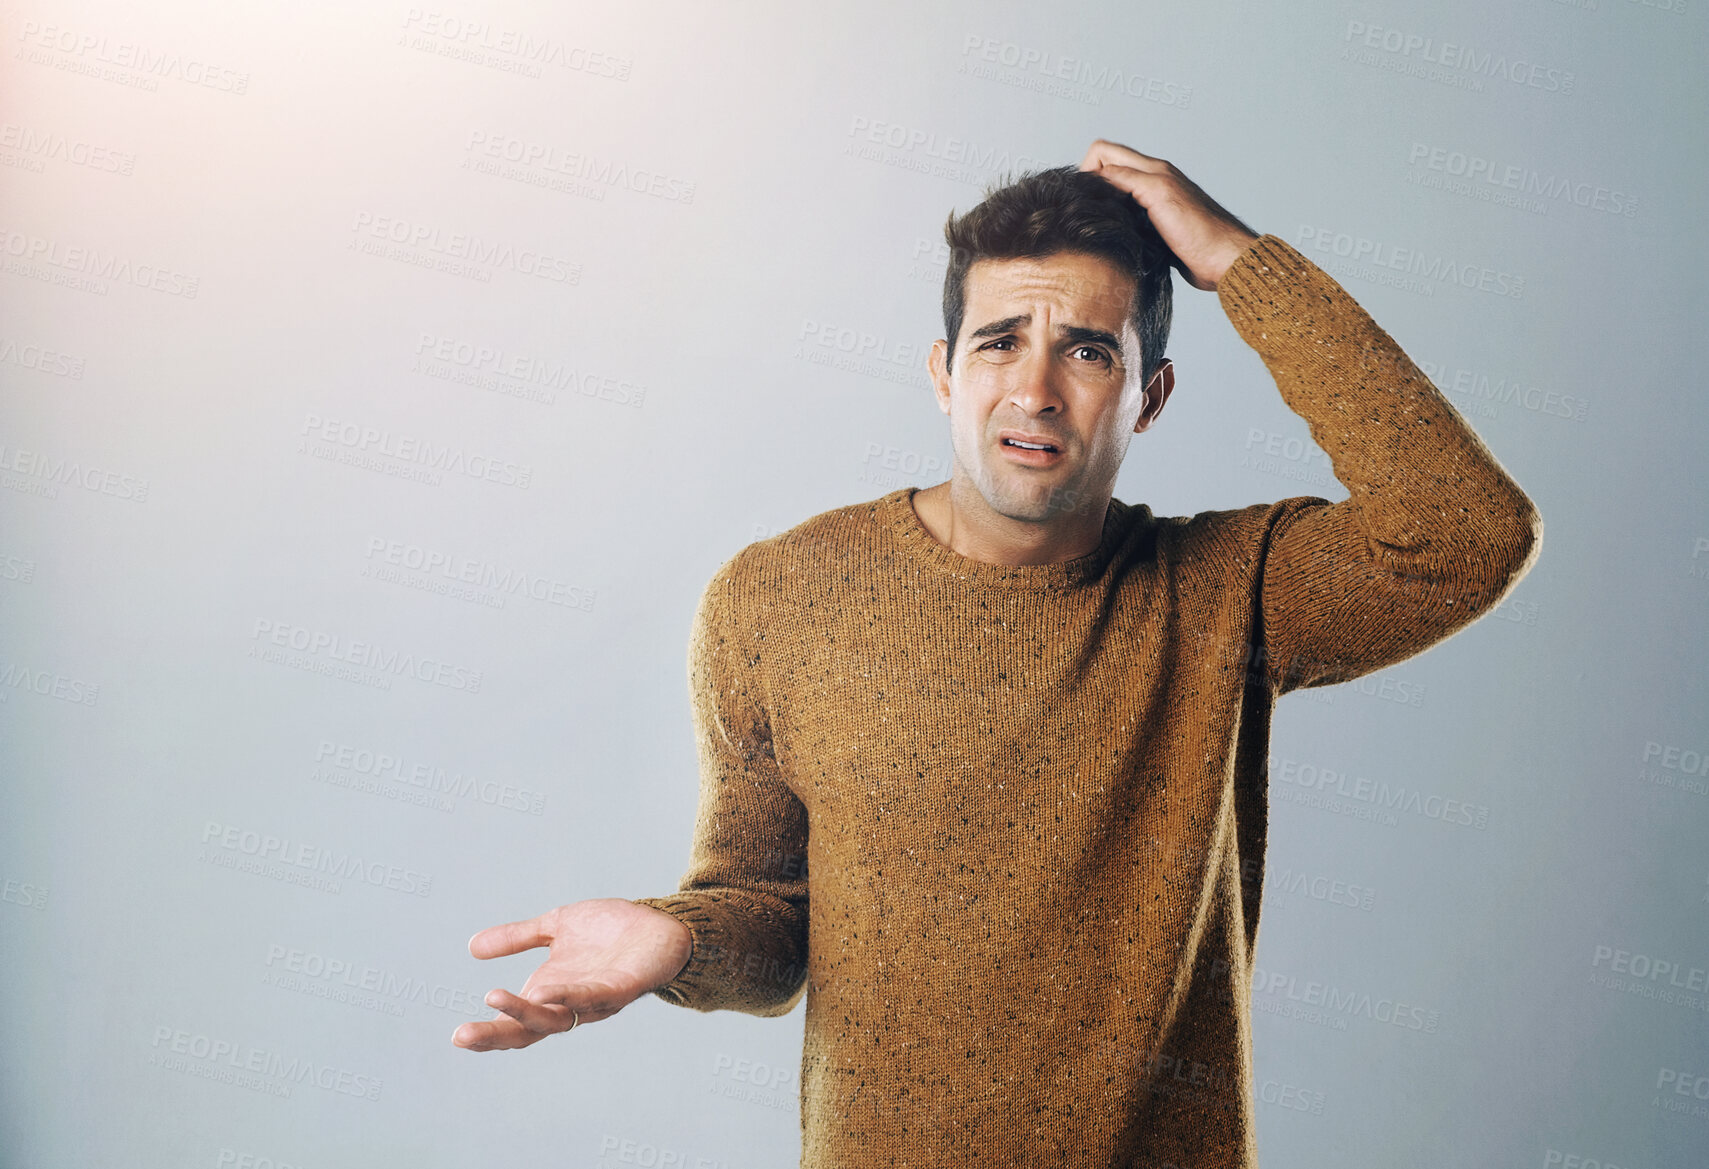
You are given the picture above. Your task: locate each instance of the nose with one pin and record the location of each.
(1035, 390)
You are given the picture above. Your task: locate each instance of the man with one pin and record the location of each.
(984, 765)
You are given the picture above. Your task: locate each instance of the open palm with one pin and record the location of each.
(604, 954)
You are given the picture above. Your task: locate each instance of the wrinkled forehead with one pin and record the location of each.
(1085, 289)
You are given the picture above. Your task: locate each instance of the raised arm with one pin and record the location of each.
(744, 896)
(1433, 531)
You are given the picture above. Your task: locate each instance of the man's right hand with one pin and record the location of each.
(605, 954)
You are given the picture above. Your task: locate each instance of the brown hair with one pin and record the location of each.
(1065, 209)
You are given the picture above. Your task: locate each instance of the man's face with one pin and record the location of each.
(1047, 354)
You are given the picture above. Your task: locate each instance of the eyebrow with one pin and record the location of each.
(1077, 333)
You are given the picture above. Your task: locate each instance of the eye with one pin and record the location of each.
(1097, 353)
(998, 341)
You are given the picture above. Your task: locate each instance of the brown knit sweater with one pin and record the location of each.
(1005, 825)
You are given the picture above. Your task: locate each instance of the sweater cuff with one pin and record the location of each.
(693, 980)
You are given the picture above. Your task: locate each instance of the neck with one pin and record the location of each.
(958, 517)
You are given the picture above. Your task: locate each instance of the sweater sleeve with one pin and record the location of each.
(1433, 533)
(744, 896)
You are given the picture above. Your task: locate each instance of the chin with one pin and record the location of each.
(1021, 501)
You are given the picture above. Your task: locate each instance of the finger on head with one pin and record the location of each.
(1113, 154)
(1125, 177)
(1098, 156)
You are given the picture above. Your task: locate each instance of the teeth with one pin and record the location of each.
(1031, 446)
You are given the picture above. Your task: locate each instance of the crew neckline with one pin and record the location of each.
(911, 533)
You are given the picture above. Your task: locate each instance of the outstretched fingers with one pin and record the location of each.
(541, 1018)
(501, 1034)
(547, 1010)
(591, 1001)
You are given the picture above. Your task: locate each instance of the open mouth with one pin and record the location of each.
(1037, 452)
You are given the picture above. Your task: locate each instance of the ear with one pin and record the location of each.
(940, 374)
(1157, 392)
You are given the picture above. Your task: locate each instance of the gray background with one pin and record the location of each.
(727, 339)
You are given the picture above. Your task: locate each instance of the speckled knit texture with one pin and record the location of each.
(1005, 826)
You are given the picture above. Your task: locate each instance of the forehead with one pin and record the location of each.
(1088, 289)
